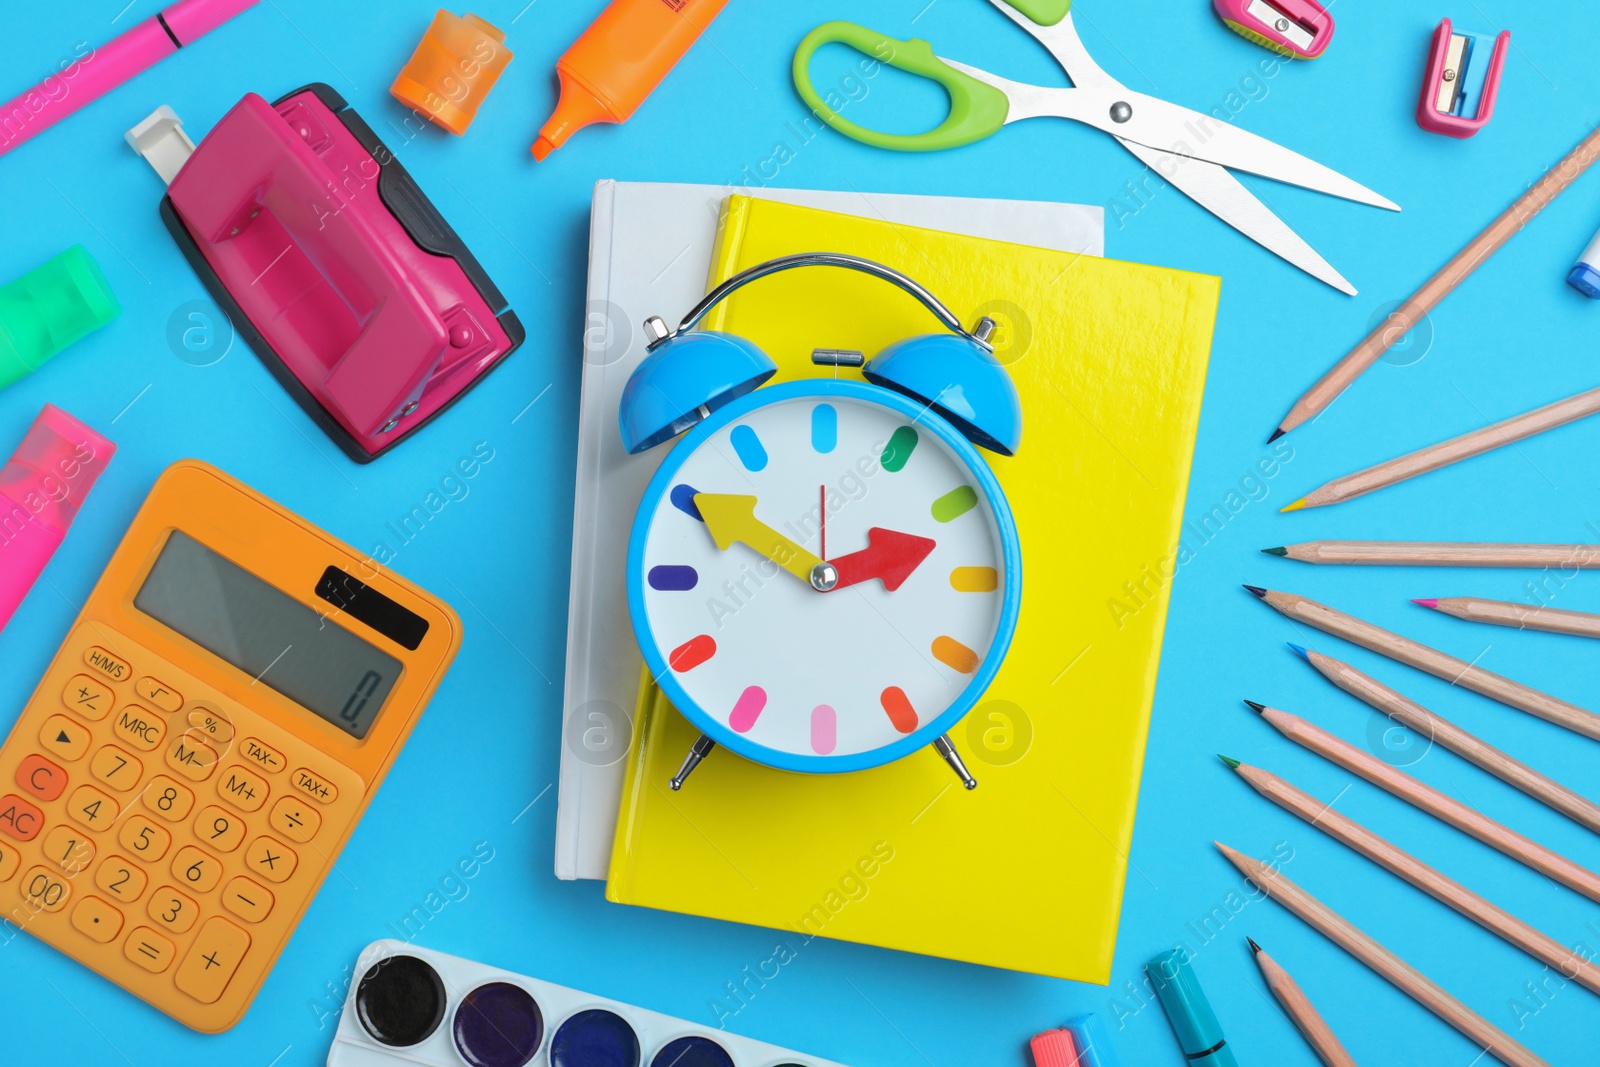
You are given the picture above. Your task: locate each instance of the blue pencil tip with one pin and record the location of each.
(1302, 653)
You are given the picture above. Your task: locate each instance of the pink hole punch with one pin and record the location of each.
(1299, 28)
(1463, 80)
(347, 282)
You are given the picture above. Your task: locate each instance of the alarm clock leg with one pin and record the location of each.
(701, 749)
(943, 746)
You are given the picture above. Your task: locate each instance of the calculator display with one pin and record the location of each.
(296, 650)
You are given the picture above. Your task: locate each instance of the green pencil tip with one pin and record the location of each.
(1233, 764)
(1276, 551)
(1255, 948)
(1253, 706)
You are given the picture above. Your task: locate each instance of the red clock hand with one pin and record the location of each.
(889, 556)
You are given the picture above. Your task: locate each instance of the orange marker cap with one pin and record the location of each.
(456, 64)
(1054, 1048)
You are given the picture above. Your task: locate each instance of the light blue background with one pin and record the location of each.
(481, 766)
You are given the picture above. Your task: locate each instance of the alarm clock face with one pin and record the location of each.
(824, 576)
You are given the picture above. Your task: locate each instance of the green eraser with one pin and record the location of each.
(49, 308)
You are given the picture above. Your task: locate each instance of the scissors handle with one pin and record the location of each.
(976, 110)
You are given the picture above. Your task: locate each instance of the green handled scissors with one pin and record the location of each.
(1192, 150)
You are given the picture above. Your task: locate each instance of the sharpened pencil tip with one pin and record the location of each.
(1232, 763)
(1279, 432)
(1276, 551)
(1296, 506)
(1253, 706)
(1257, 592)
(1297, 650)
(1254, 948)
(1428, 603)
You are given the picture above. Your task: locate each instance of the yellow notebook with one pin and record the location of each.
(1026, 872)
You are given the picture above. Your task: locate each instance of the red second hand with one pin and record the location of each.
(822, 549)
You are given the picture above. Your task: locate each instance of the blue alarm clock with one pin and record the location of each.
(823, 575)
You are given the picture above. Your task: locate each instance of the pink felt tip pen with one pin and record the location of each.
(93, 75)
(41, 489)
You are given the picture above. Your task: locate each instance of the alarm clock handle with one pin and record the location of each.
(943, 745)
(699, 751)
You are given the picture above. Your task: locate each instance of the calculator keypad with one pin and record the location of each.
(146, 830)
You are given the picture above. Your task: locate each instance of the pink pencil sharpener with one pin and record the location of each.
(344, 278)
(1462, 81)
(1302, 29)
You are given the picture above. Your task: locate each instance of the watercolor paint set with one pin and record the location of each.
(412, 1005)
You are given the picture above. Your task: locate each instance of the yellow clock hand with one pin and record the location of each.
(731, 518)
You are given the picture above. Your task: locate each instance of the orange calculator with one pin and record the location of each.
(194, 760)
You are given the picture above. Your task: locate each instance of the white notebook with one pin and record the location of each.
(650, 250)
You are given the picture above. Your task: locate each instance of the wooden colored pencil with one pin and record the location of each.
(1318, 1034)
(1430, 880)
(1441, 554)
(1426, 798)
(1517, 616)
(1417, 306)
(1443, 454)
(1468, 746)
(1385, 964)
(1415, 654)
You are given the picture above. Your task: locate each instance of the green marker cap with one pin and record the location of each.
(1195, 1024)
(48, 309)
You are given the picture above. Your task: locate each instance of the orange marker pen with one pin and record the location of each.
(619, 60)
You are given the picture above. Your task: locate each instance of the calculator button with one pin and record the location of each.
(315, 786)
(10, 860)
(44, 888)
(262, 756)
(92, 808)
(97, 920)
(168, 799)
(211, 724)
(243, 789)
(107, 664)
(149, 950)
(69, 848)
(142, 729)
(41, 777)
(212, 960)
(219, 829)
(144, 839)
(19, 819)
(295, 819)
(195, 870)
(192, 757)
(271, 860)
(88, 697)
(121, 878)
(158, 694)
(116, 768)
(173, 910)
(247, 900)
(65, 737)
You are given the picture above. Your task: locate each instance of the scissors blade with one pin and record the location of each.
(1170, 128)
(1213, 188)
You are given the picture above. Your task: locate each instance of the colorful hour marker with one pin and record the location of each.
(974, 579)
(898, 705)
(673, 579)
(824, 428)
(824, 730)
(955, 655)
(683, 499)
(692, 653)
(747, 709)
(898, 451)
(955, 503)
(752, 453)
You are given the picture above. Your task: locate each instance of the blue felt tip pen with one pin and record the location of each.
(1585, 276)
(1195, 1024)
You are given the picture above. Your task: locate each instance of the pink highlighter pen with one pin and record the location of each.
(92, 76)
(41, 490)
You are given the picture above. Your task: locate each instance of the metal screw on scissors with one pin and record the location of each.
(1190, 149)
